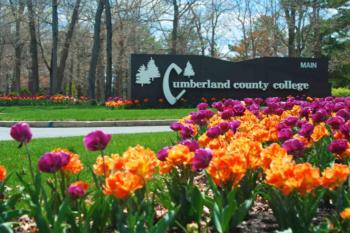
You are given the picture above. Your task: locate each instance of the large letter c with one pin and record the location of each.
(166, 85)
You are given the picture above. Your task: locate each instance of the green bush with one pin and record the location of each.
(341, 91)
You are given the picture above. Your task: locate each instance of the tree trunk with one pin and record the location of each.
(290, 16)
(33, 82)
(174, 34)
(108, 89)
(53, 73)
(18, 13)
(95, 51)
(66, 45)
(317, 35)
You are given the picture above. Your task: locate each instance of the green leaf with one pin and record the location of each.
(241, 212)
(166, 221)
(6, 227)
(217, 218)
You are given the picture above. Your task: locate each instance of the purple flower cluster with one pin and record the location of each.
(222, 128)
(186, 131)
(53, 161)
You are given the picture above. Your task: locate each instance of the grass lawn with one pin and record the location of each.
(15, 159)
(87, 113)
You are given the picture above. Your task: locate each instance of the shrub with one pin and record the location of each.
(341, 91)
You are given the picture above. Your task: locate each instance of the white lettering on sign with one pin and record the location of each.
(166, 87)
(308, 65)
(289, 85)
(147, 74)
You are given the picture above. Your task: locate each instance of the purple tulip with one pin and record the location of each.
(238, 109)
(338, 146)
(96, 140)
(234, 125)
(213, 132)
(248, 101)
(335, 122)
(191, 144)
(76, 191)
(202, 106)
(258, 100)
(224, 126)
(227, 114)
(176, 126)
(344, 114)
(345, 130)
(52, 161)
(21, 132)
(218, 105)
(304, 112)
(201, 159)
(294, 147)
(285, 134)
(319, 116)
(186, 132)
(306, 129)
(291, 121)
(163, 153)
(208, 113)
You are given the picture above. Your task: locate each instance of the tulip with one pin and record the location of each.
(96, 140)
(233, 125)
(77, 189)
(186, 132)
(218, 105)
(21, 132)
(175, 126)
(294, 146)
(227, 114)
(224, 126)
(306, 130)
(191, 144)
(202, 106)
(335, 122)
(201, 159)
(319, 115)
(163, 153)
(213, 132)
(338, 146)
(285, 134)
(238, 109)
(52, 162)
(345, 114)
(291, 121)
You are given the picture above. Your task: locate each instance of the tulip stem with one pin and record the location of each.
(30, 161)
(104, 164)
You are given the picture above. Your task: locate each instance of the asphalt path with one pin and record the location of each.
(68, 132)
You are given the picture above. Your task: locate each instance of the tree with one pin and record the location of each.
(142, 76)
(188, 70)
(108, 88)
(53, 70)
(33, 82)
(18, 43)
(152, 70)
(66, 45)
(95, 50)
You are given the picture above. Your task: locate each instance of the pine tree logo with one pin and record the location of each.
(189, 70)
(146, 75)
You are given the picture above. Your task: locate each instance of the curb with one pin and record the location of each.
(68, 124)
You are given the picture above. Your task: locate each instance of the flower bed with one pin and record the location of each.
(11, 100)
(291, 154)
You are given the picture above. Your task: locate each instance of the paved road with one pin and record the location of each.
(66, 132)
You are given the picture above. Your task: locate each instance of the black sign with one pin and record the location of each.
(190, 78)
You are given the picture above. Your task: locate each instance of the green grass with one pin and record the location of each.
(15, 159)
(87, 113)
